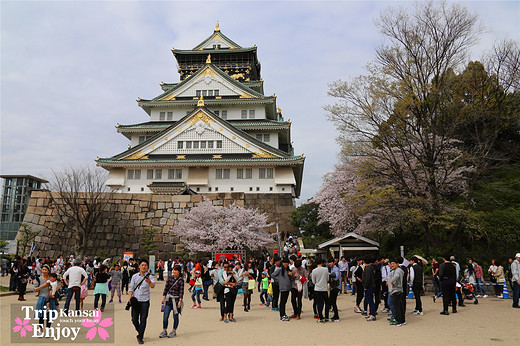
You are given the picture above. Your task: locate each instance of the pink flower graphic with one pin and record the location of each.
(100, 329)
(22, 326)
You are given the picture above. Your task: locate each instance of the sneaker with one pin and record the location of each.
(335, 319)
(485, 296)
(111, 301)
(392, 320)
(193, 306)
(364, 313)
(501, 297)
(394, 323)
(140, 341)
(277, 309)
(328, 320)
(414, 311)
(371, 318)
(358, 310)
(198, 307)
(285, 318)
(320, 321)
(316, 317)
(163, 334)
(479, 296)
(420, 313)
(120, 300)
(384, 310)
(226, 320)
(172, 334)
(434, 299)
(232, 320)
(262, 304)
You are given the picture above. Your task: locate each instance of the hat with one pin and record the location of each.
(517, 255)
(452, 258)
(264, 273)
(197, 272)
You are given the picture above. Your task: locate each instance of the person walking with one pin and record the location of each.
(501, 280)
(369, 286)
(492, 276)
(40, 311)
(230, 293)
(22, 276)
(172, 301)
(417, 281)
(334, 289)
(246, 274)
(139, 288)
(74, 277)
(358, 281)
(447, 275)
(101, 289)
(343, 269)
(320, 277)
(160, 270)
(207, 281)
(299, 275)
(479, 277)
(116, 276)
(274, 282)
(515, 277)
(284, 277)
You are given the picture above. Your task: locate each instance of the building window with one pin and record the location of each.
(209, 189)
(224, 115)
(246, 173)
(137, 174)
(141, 139)
(210, 144)
(267, 138)
(162, 116)
(130, 174)
(265, 173)
(210, 92)
(204, 93)
(171, 174)
(175, 174)
(180, 145)
(257, 188)
(251, 114)
(128, 189)
(149, 174)
(216, 92)
(197, 93)
(244, 114)
(219, 144)
(250, 189)
(198, 189)
(134, 174)
(271, 188)
(142, 189)
(178, 174)
(217, 113)
(222, 173)
(195, 144)
(232, 189)
(203, 144)
(188, 144)
(170, 116)
(259, 136)
(158, 174)
(216, 189)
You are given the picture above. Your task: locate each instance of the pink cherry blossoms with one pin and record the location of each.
(207, 227)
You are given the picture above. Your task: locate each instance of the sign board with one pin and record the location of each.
(238, 254)
(152, 264)
(127, 256)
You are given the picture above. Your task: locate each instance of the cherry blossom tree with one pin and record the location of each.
(207, 228)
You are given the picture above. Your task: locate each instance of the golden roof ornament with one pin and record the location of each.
(279, 110)
(217, 27)
(208, 60)
(200, 103)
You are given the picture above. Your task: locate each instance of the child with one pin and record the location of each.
(116, 276)
(265, 286)
(269, 297)
(53, 282)
(197, 291)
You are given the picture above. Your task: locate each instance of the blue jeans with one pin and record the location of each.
(263, 295)
(166, 315)
(197, 293)
(268, 300)
(369, 296)
(70, 292)
(139, 317)
(480, 288)
(516, 293)
(206, 287)
(391, 304)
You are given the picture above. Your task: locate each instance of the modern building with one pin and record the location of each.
(214, 131)
(15, 199)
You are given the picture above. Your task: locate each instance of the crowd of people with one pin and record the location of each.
(373, 281)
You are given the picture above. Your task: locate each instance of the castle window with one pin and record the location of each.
(219, 144)
(130, 174)
(195, 144)
(224, 115)
(251, 114)
(232, 189)
(158, 174)
(210, 144)
(149, 174)
(216, 189)
(203, 144)
(179, 145)
(222, 173)
(197, 93)
(217, 113)
(170, 116)
(244, 114)
(141, 139)
(188, 144)
(265, 173)
(210, 92)
(216, 92)
(175, 174)
(162, 116)
(133, 174)
(271, 188)
(267, 137)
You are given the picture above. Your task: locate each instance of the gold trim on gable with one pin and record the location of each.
(263, 155)
(202, 117)
(207, 71)
(137, 156)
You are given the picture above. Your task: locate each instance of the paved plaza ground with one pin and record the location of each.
(491, 322)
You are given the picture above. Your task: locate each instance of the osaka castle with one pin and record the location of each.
(213, 131)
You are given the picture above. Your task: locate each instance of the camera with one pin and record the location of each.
(128, 306)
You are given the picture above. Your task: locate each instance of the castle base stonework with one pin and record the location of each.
(122, 223)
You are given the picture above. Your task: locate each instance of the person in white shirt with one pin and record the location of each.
(74, 277)
(343, 269)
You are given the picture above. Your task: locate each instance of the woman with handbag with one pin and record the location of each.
(247, 277)
(22, 277)
(172, 301)
(230, 293)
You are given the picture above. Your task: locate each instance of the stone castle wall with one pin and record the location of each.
(123, 222)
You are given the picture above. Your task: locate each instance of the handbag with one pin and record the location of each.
(191, 282)
(218, 288)
(251, 285)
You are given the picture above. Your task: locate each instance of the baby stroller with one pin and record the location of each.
(469, 292)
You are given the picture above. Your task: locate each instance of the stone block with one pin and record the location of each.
(161, 198)
(161, 205)
(137, 223)
(143, 204)
(129, 208)
(158, 213)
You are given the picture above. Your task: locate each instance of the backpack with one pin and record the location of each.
(125, 273)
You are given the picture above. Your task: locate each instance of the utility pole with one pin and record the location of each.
(279, 240)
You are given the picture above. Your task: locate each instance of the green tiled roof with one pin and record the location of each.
(280, 159)
(222, 35)
(213, 51)
(237, 123)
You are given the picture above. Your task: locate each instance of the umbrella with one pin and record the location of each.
(423, 260)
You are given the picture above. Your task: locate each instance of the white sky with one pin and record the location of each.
(70, 71)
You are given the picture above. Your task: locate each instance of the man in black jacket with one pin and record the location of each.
(447, 276)
(416, 278)
(369, 284)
